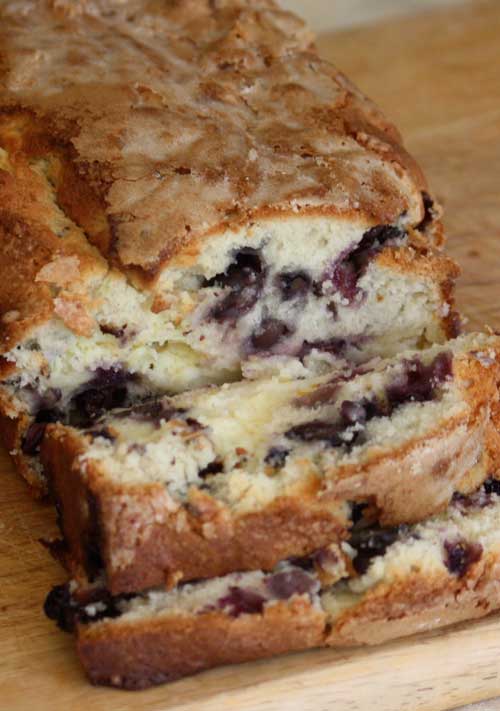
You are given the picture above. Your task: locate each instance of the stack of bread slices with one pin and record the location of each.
(230, 353)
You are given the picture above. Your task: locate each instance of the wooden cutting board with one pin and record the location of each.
(438, 77)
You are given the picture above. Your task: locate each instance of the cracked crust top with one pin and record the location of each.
(173, 119)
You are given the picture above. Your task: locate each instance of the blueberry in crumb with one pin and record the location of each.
(117, 331)
(268, 334)
(344, 274)
(215, 467)
(460, 555)
(314, 431)
(418, 382)
(492, 486)
(290, 582)
(244, 280)
(340, 432)
(293, 284)
(276, 457)
(105, 391)
(241, 601)
(371, 543)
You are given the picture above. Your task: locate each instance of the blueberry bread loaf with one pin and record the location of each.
(188, 193)
(240, 476)
(190, 197)
(384, 584)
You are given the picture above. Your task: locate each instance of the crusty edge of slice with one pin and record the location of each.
(136, 654)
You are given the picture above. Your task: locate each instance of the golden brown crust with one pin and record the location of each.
(136, 656)
(190, 545)
(25, 303)
(44, 254)
(240, 115)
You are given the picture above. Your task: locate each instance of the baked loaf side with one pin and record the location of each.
(241, 476)
(400, 581)
(233, 206)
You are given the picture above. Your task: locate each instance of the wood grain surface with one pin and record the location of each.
(329, 15)
(437, 76)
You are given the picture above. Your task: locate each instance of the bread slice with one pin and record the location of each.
(235, 206)
(403, 581)
(244, 475)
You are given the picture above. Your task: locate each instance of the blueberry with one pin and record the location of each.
(244, 279)
(290, 582)
(215, 467)
(361, 411)
(241, 273)
(60, 605)
(293, 284)
(441, 368)
(276, 457)
(326, 559)
(460, 555)
(492, 486)
(351, 413)
(305, 562)
(418, 382)
(92, 403)
(107, 390)
(349, 267)
(354, 413)
(358, 512)
(268, 334)
(345, 280)
(116, 331)
(371, 543)
(240, 601)
(378, 236)
(316, 431)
